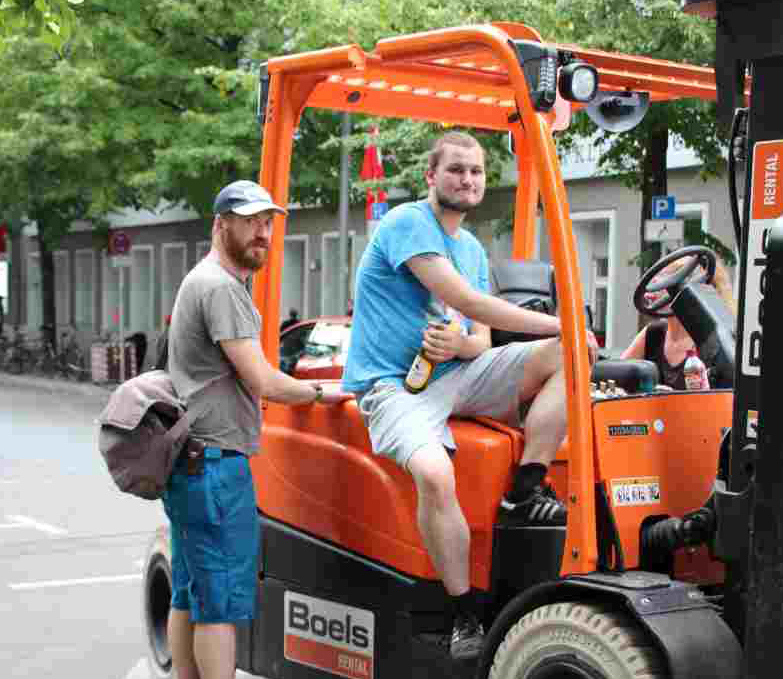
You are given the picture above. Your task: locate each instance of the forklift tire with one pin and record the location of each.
(156, 603)
(577, 641)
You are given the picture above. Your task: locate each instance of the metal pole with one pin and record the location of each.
(122, 322)
(343, 272)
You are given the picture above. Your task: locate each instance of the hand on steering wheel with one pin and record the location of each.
(672, 284)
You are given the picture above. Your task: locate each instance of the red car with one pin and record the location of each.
(316, 348)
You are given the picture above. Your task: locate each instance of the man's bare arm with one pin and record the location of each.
(264, 382)
(439, 276)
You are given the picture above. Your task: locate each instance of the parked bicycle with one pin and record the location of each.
(19, 358)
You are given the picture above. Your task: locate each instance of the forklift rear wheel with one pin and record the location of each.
(156, 602)
(577, 641)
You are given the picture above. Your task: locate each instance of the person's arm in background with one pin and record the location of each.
(265, 382)
(636, 349)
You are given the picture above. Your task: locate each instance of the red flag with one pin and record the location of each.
(372, 168)
(3, 234)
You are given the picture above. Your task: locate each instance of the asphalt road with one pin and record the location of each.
(71, 545)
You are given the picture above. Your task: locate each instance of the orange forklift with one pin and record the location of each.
(634, 586)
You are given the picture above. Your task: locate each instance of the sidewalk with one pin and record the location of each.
(97, 391)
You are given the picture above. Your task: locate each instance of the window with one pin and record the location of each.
(202, 248)
(84, 289)
(330, 269)
(62, 287)
(595, 237)
(295, 276)
(174, 265)
(138, 303)
(34, 293)
(140, 298)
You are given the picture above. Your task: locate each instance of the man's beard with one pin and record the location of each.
(450, 205)
(240, 254)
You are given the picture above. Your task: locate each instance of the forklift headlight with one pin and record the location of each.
(539, 64)
(578, 82)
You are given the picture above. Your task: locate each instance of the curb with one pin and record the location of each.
(57, 386)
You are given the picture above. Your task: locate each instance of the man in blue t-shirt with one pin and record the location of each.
(423, 283)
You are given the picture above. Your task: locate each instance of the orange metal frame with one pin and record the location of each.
(469, 76)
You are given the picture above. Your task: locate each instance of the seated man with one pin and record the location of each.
(422, 266)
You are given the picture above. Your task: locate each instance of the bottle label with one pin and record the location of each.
(419, 373)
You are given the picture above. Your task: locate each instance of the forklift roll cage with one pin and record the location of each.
(472, 77)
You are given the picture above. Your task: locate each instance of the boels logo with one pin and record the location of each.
(332, 637)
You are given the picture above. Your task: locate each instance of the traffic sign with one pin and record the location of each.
(663, 207)
(119, 243)
(664, 229)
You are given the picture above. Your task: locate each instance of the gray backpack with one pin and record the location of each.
(143, 430)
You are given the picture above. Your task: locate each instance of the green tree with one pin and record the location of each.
(51, 20)
(60, 155)
(659, 29)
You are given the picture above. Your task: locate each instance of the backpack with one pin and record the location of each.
(143, 430)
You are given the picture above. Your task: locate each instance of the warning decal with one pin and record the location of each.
(766, 211)
(643, 490)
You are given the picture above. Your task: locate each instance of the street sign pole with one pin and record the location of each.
(122, 324)
(119, 248)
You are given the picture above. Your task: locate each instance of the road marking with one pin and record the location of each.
(141, 670)
(44, 584)
(38, 525)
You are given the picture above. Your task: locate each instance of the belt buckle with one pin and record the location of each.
(195, 463)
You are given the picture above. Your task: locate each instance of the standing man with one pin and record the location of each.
(427, 278)
(210, 501)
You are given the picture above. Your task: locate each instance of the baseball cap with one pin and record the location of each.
(244, 198)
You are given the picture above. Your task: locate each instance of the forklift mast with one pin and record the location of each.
(748, 39)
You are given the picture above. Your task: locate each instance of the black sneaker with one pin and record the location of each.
(467, 638)
(540, 508)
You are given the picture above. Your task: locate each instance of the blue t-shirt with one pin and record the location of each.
(391, 306)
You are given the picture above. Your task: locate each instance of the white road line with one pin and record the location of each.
(44, 584)
(141, 670)
(38, 525)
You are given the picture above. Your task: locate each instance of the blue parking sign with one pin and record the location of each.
(663, 207)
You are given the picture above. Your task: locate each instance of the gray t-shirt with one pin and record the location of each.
(213, 305)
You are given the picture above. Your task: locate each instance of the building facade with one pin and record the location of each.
(165, 245)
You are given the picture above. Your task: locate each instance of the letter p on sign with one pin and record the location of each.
(663, 207)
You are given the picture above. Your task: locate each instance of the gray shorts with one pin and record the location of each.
(400, 422)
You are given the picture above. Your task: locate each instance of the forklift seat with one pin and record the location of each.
(529, 284)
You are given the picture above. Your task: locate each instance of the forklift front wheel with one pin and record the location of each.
(156, 602)
(577, 641)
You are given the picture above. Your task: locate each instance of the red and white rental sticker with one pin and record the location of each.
(766, 210)
(332, 637)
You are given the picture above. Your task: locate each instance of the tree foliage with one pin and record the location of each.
(51, 20)
(659, 29)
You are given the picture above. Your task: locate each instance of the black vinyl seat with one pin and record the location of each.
(529, 284)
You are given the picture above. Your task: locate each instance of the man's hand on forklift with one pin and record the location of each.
(330, 393)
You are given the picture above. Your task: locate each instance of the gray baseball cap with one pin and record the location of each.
(245, 198)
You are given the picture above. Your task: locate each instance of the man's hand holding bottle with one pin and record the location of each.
(442, 341)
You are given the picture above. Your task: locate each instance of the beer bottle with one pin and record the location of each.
(421, 369)
(419, 374)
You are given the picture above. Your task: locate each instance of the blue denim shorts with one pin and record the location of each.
(215, 539)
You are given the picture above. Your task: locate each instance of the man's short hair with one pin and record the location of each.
(462, 139)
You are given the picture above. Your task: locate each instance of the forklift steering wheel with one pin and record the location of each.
(673, 284)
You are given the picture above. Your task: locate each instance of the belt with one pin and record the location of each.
(211, 453)
(195, 451)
